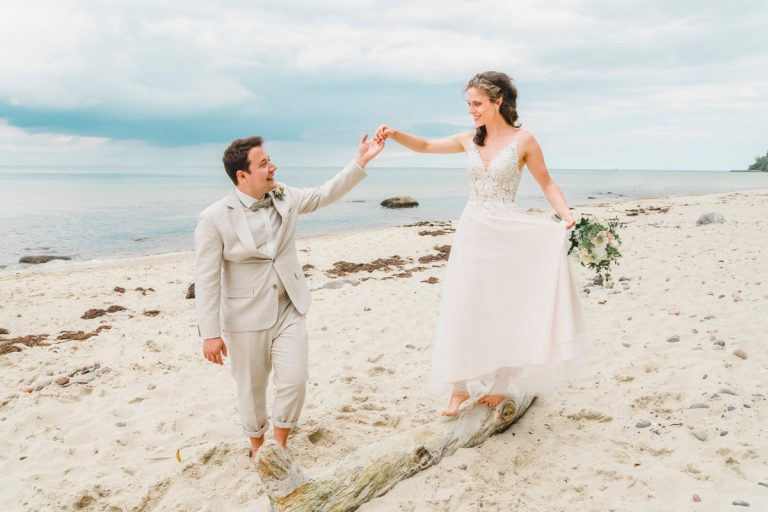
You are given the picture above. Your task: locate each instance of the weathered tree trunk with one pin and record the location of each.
(374, 469)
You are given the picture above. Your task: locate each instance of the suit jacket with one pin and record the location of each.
(235, 284)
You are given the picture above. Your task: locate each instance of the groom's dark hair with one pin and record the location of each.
(236, 156)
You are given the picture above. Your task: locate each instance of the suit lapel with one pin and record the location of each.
(283, 208)
(240, 224)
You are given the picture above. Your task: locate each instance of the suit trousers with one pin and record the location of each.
(281, 348)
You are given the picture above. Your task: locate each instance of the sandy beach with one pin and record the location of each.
(94, 420)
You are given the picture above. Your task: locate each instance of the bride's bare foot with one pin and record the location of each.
(453, 406)
(491, 400)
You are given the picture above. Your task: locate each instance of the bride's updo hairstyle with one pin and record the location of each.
(496, 85)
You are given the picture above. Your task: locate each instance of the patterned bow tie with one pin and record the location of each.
(261, 203)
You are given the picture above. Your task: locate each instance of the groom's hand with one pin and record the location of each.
(367, 150)
(214, 349)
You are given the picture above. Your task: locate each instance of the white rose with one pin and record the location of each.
(600, 241)
(600, 254)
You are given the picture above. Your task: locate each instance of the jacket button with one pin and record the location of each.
(274, 286)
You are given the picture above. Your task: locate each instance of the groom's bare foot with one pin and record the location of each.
(491, 400)
(256, 443)
(453, 406)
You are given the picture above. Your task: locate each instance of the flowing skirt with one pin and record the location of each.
(510, 317)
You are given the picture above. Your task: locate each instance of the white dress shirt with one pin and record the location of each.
(264, 224)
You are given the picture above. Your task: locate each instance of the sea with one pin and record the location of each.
(101, 213)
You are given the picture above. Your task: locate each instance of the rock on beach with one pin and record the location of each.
(400, 202)
(38, 259)
(710, 218)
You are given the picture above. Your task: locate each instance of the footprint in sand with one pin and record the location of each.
(591, 415)
(321, 437)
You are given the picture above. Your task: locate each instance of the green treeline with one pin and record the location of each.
(761, 163)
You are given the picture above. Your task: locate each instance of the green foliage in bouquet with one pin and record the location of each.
(597, 244)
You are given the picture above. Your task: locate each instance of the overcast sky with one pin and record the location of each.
(602, 84)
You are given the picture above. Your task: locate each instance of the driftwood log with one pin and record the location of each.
(374, 469)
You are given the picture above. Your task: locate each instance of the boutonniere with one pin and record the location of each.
(279, 192)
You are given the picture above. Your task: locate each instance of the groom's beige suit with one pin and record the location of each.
(250, 291)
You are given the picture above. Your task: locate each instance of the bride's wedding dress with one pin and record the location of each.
(510, 315)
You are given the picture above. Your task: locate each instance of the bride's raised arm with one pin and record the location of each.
(453, 144)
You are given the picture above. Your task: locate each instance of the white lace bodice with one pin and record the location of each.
(495, 184)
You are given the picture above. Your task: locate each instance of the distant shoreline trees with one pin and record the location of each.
(761, 163)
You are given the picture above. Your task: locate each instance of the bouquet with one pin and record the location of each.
(596, 243)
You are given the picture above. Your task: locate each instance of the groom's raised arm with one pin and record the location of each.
(310, 199)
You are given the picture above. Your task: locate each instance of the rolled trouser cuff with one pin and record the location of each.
(256, 433)
(283, 424)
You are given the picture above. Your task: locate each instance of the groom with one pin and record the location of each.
(251, 296)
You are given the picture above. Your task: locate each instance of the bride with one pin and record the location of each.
(510, 317)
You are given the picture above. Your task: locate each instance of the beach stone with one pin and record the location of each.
(700, 434)
(62, 381)
(118, 289)
(410, 345)
(151, 386)
(740, 353)
(643, 424)
(4, 331)
(190, 292)
(83, 379)
(699, 405)
(674, 311)
(719, 343)
(723, 433)
(626, 344)
(673, 339)
(696, 498)
(399, 202)
(338, 283)
(695, 331)
(710, 218)
(740, 503)
(764, 484)
(727, 391)
(36, 260)
(730, 408)
(709, 317)
(121, 424)
(27, 389)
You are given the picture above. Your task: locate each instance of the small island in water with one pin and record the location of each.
(760, 165)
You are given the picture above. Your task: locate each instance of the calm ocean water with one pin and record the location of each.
(113, 213)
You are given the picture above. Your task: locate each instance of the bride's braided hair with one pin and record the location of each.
(496, 85)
